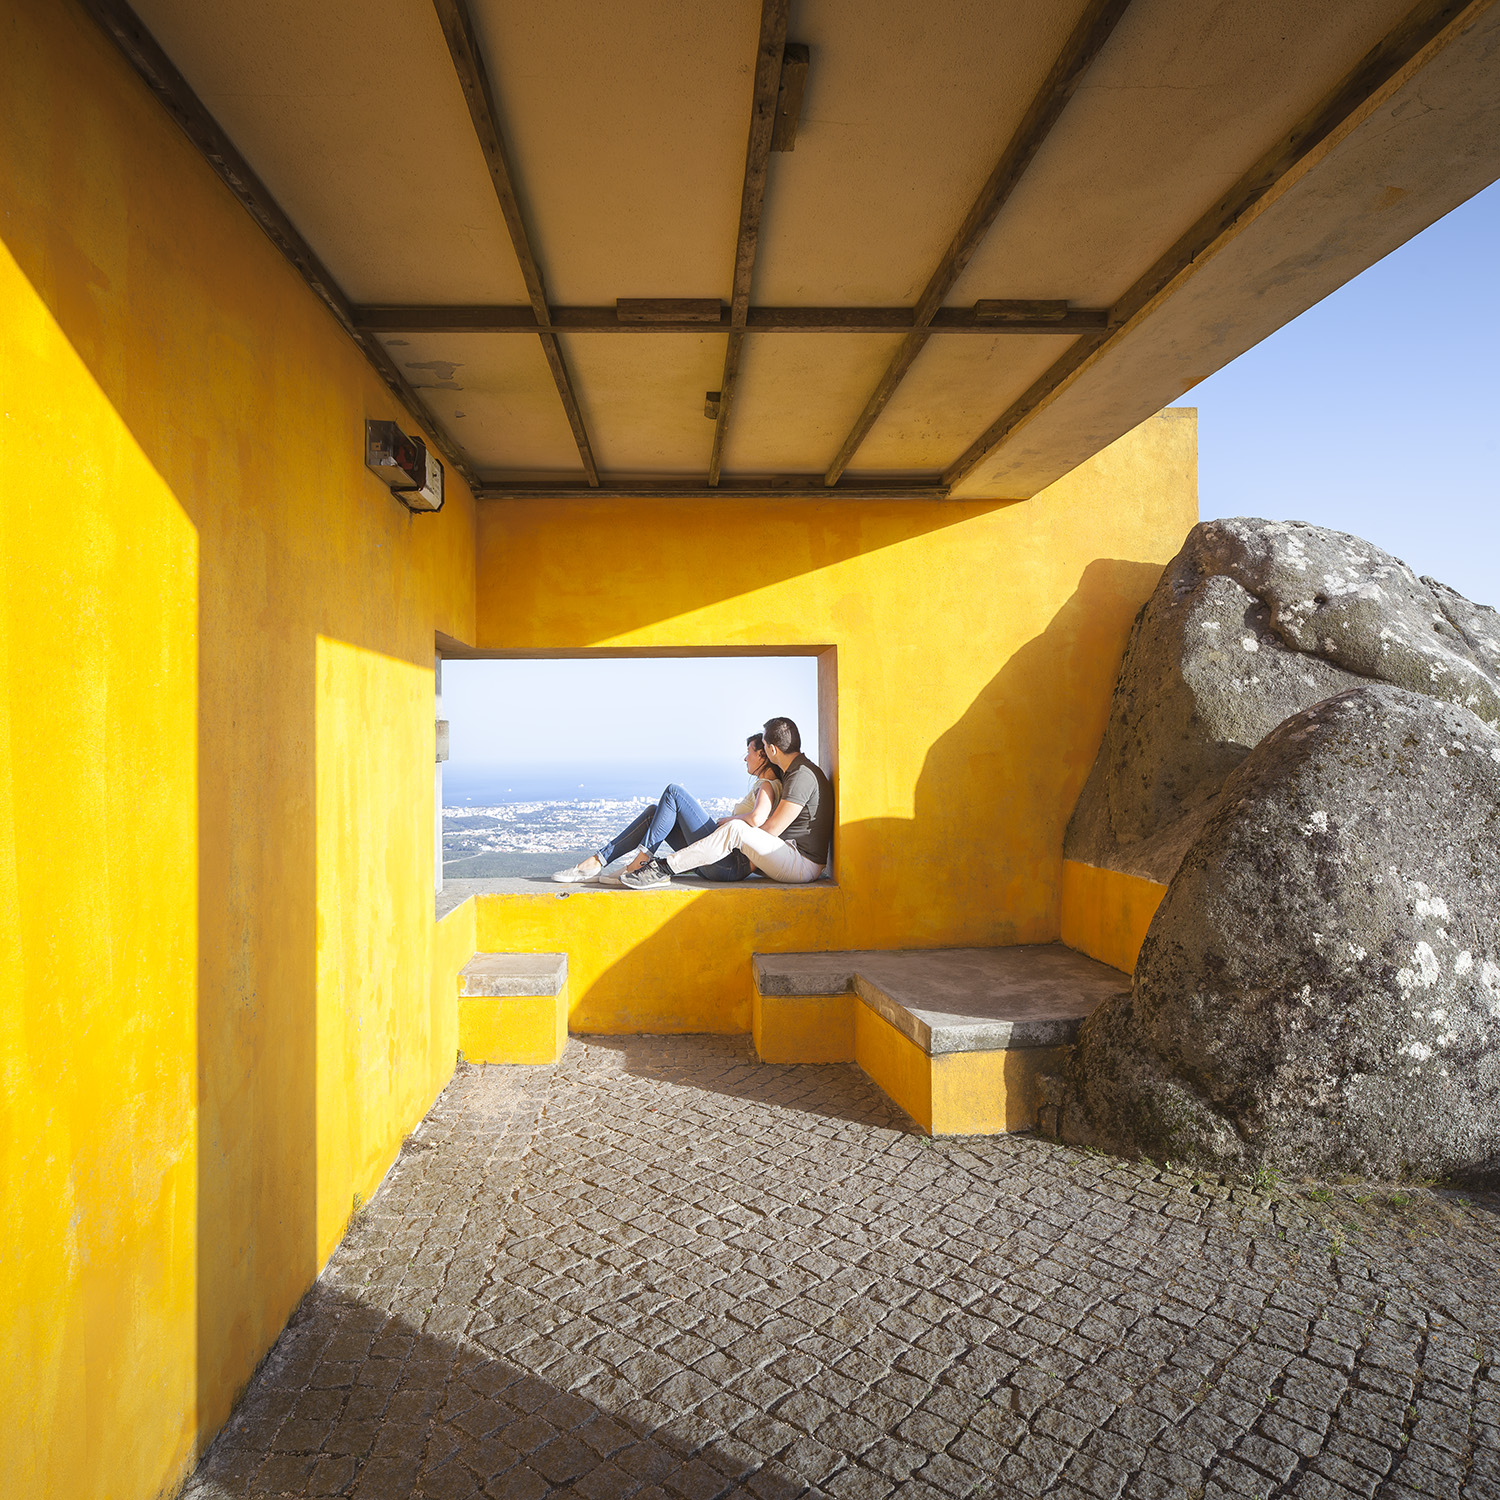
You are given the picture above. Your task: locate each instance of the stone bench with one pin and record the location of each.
(958, 1037)
(513, 1007)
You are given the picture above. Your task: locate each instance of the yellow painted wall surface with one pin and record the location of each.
(195, 1018)
(1106, 913)
(977, 646)
(98, 932)
(984, 1093)
(895, 1062)
(386, 1038)
(802, 1028)
(527, 1029)
(666, 960)
(454, 944)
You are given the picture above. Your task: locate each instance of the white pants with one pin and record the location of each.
(765, 851)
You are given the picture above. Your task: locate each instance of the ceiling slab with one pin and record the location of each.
(511, 418)
(1429, 145)
(907, 109)
(645, 398)
(950, 396)
(1178, 106)
(798, 394)
(375, 161)
(627, 125)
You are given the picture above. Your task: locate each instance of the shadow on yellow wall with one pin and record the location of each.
(98, 930)
(187, 514)
(587, 572)
(979, 863)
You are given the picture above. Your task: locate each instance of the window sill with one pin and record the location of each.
(456, 892)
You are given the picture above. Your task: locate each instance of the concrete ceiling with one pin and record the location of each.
(627, 125)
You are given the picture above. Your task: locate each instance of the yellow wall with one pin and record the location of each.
(224, 995)
(671, 960)
(385, 1038)
(1105, 913)
(977, 646)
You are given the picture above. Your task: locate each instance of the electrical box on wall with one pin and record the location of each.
(414, 475)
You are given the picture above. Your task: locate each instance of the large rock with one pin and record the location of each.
(1253, 621)
(1320, 989)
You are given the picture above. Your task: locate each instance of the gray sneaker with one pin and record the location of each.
(653, 872)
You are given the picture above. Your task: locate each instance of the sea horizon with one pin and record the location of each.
(467, 785)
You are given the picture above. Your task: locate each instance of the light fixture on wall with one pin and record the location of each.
(414, 475)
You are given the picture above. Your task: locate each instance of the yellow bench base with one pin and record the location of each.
(513, 1028)
(954, 1093)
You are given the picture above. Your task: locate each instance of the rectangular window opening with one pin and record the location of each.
(550, 757)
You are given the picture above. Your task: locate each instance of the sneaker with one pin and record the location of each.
(574, 874)
(653, 872)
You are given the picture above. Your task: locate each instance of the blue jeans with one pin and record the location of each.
(676, 819)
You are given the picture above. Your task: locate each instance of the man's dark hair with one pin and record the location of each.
(783, 734)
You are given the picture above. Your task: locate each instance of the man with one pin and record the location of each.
(792, 845)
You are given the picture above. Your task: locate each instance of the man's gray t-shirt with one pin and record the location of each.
(812, 828)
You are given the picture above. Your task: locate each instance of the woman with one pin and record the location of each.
(677, 820)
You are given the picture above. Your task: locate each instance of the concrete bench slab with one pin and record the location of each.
(959, 1037)
(514, 974)
(958, 999)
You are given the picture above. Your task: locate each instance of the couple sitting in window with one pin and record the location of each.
(781, 827)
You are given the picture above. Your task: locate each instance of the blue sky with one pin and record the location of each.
(668, 715)
(1376, 412)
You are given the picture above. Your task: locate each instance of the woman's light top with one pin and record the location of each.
(746, 805)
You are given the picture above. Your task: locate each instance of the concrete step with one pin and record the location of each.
(959, 1037)
(513, 1008)
(501, 974)
(957, 999)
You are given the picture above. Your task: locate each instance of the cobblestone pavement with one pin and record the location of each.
(664, 1269)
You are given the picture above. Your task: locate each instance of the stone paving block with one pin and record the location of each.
(667, 1270)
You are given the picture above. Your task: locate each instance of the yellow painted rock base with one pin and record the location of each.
(513, 1028)
(1106, 913)
(803, 1028)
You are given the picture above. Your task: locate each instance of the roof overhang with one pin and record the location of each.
(845, 247)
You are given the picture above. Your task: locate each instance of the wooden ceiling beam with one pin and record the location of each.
(1083, 46)
(741, 488)
(173, 92)
(479, 95)
(519, 318)
(770, 56)
(1382, 70)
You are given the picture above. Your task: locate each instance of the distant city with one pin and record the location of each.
(535, 838)
(519, 820)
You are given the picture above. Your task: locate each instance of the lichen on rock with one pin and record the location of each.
(1320, 988)
(1251, 622)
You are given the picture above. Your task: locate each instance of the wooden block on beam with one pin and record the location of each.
(995, 310)
(795, 58)
(668, 309)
